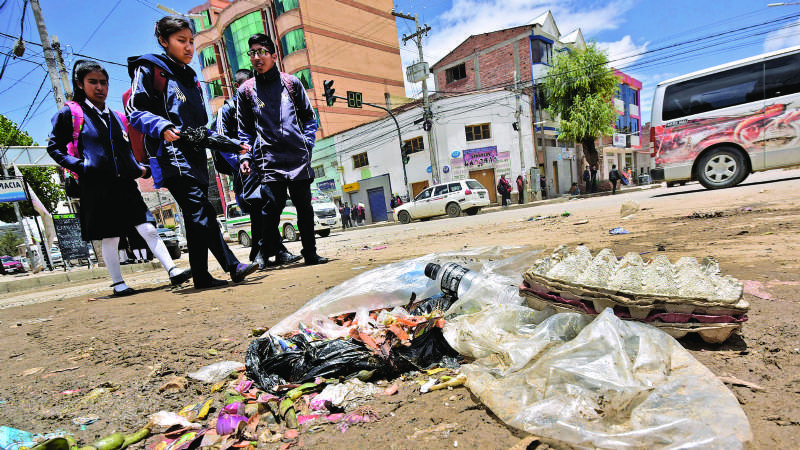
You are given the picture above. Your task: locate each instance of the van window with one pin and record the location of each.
(424, 194)
(781, 76)
(454, 187)
(234, 211)
(714, 91)
(440, 190)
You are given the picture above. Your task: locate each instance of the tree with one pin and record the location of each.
(580, 88)
(9, 242)
(39, 179)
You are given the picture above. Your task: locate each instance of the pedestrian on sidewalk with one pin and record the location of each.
(91, 141)
(613, 177)
(594, 181)
(354, 216)
(521, 189)
(277, 121)
(179, 165)
(587, 178)
(346, 215)
(361, 215)
(504, 189)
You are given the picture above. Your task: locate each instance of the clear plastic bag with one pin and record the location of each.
(216, 372)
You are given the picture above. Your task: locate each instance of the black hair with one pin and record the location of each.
(242, 75)
(262, 39)
(169, 25)
(82, 68)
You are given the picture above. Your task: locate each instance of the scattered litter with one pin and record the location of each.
(427, 385)
(216, 372)
(95, 394)
(15, 355)
(379, 248)
(566, 214)
(737, 382)
(618, 230)
(197, 411)
(174, 384)
(705, 215)
(349, 394)
(85, 420)
(581, 222)
(68, 369)
(168, 419)
(32, 371)
(628, 208)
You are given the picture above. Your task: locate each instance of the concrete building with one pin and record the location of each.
(475, 138)
(626, 148)
(516, 58)
(352, 42)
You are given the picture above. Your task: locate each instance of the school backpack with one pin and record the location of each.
(76, 112)
(135, 137)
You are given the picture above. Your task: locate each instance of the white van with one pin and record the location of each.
(326, 217)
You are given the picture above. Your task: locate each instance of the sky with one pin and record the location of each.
(647, 39)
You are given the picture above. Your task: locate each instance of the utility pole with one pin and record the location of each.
(518, 116)
(62, 69)
(427, 114)
(48, 54)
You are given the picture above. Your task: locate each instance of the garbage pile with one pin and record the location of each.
(678, 298)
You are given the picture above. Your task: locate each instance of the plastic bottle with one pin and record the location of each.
(456, 280)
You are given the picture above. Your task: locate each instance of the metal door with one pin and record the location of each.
(377, 204)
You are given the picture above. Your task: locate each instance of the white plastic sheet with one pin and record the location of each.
(602, 383)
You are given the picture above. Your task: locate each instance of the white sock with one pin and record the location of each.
(123, 255)
(111, 257)
(150, 236)
(140, 253)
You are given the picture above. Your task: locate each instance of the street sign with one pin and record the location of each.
(353, 99)
(417, 72)
(12, 190)
(350, 187)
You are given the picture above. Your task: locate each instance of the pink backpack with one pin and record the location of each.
(77, 125)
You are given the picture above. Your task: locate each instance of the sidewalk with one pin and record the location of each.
(16, 283)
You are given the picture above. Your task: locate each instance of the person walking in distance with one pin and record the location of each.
(166, 98)
(613, 177)
(276, 119)
(504, 189)
(521, 189)
(91, 141)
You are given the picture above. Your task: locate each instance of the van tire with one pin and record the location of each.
(404, 217)
(472, 211)
(720, 168)
(453, 210)
(289, 233)
(244, 239)
(324, 233)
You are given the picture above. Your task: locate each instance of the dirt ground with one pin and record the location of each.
(138, 343)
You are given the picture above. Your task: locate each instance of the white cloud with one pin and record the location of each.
(623, 52)
(787, 36)
(470, 17)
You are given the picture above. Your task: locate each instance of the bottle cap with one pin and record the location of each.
(431, 270)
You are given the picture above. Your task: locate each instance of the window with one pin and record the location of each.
(477, 132)
(319, 171)
(714, 91)
(360, 160)
(305, 77)
(207, 57)
(472, 184)
(780, 76)
(281, 6)
(454, 187)
(293, 41)
(424, 194)
(417, 144)
(456, 73)
(541, 52)
(316, 116)
(214, 88)
(235, 37)
(440, 190)
(202, 24)
(634, 125)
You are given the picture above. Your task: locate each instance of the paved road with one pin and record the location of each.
(691, 195)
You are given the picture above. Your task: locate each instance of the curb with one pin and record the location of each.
(75, 275)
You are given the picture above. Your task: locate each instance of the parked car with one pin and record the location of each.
(11, 265)
(170, 239)
(55, 257)
(449, 198)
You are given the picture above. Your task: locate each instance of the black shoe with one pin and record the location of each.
(314, 260)
(259, 259)
(284, 257)
(209, 283)
(180, 277)
(242, 271)
(123, 293)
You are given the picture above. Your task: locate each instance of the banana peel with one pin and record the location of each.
(196, 411)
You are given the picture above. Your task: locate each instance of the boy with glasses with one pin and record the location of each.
(277, 120)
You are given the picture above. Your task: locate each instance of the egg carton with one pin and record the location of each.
(685, 286)
(713, 333)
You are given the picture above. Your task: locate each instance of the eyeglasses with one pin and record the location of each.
(259, 52)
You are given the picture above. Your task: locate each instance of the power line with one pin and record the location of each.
(113, 8)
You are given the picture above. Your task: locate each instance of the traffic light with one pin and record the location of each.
(405, 152)
(329, 90)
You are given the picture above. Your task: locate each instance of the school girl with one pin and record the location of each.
(165, 99)
(103, 162)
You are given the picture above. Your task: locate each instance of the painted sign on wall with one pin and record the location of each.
(477, 157)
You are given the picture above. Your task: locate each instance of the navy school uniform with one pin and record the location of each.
(110, 199)
(181, 168)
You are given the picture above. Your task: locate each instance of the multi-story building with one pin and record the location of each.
(624, 148)
(352, 42)
(515, 58)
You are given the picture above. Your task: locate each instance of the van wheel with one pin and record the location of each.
(404, 217)
(324, 233)
(244, 239)
(721, 168)
(289, 233)
(453, 210)
(472, 211)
